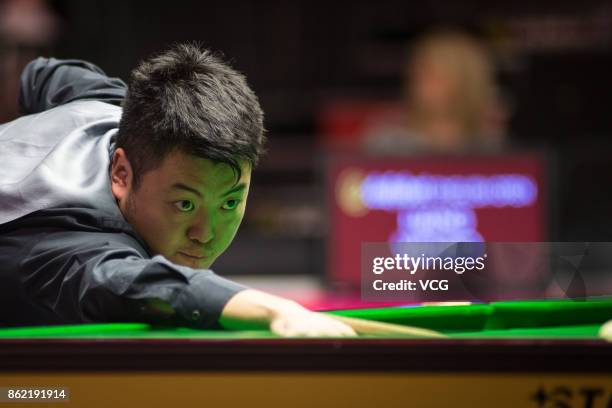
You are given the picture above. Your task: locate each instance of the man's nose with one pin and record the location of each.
(202, 230)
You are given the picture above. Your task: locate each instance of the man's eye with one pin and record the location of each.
(184, 205)
(231, 204)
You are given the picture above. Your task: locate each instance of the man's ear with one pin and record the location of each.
(121, 175)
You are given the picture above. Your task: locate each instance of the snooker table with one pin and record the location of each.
(514, 354)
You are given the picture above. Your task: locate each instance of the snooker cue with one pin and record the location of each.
(362, 326)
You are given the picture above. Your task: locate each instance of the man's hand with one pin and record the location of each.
(255, 309)
(304, 323)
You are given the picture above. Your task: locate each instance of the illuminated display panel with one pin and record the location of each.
(498, 198)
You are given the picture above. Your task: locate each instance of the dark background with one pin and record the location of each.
(297, 55)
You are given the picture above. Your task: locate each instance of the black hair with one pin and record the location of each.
(188, 98)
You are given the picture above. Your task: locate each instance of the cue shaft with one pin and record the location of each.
(370, 327)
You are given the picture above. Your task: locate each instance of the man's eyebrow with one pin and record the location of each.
(182, 186)
(238, 187)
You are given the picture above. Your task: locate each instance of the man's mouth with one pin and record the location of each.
(193, 256)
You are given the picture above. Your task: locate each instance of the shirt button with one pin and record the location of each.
(195, 315)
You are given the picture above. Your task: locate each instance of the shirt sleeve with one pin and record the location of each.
(49, 82)
(106, 277)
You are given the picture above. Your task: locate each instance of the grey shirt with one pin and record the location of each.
(67, 255)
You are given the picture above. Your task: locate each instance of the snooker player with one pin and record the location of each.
(116, 200)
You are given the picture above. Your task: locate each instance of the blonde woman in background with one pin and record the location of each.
(451, 101)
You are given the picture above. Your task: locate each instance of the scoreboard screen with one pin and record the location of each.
(496, 198)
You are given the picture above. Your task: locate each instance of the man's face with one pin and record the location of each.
(188, 209)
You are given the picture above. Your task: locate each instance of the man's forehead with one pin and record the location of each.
(203, 173)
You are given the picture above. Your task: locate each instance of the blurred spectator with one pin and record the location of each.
(451, 101)
(27, 29)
